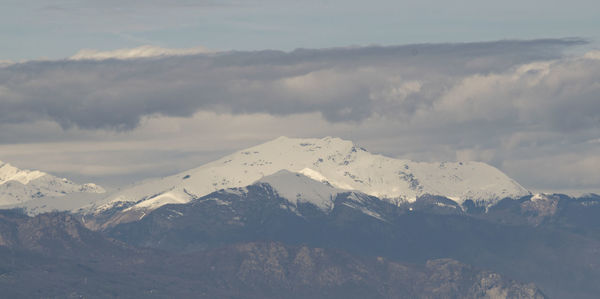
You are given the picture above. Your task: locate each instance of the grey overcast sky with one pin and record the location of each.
(59, 28)
(117, 91)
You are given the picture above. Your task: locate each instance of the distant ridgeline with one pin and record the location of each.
(19, 187)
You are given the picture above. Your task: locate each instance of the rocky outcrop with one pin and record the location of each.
(273, 270)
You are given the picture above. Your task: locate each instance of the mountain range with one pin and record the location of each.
(264, 214)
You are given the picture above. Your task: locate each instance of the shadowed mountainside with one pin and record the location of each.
(561, 261)
(54, 256)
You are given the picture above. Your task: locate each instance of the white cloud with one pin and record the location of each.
(145, 51)
(592, 55)
(554, 95)
(397, 90)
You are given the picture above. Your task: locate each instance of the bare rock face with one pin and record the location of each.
(302, 272)
(54, 234)
(454, 277)
(539, 208)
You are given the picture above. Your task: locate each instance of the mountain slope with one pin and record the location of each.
(57, 235)
(251, 270)
(54, 256)
(271, 269)
(338, 162)
(19, 186)
(563, 263)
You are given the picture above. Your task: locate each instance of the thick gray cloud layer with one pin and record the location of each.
(522, 106)
(343, 84)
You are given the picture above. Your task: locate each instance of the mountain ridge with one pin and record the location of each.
(53, 256)
(334, 161)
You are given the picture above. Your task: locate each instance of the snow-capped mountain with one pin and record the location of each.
(19, 186)
(332, 161)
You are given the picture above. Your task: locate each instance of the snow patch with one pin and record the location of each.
(10, 173)
(160, 200)
(364, 210)
(445, 205)
(539, 196)
(315, 175)
(299, 188)
(219, 202)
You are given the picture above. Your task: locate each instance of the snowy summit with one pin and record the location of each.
(337, 163)
(18, 186)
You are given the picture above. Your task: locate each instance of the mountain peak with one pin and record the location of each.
(335, 161)
(10, 173)
(310, 143)
(18, 186)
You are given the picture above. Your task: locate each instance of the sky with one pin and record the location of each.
(119, 91)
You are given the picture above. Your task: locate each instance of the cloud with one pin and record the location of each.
(145, 51)
(592, 55)
(561, 95)
(577, 171)
(343, 84)
(523, 106)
